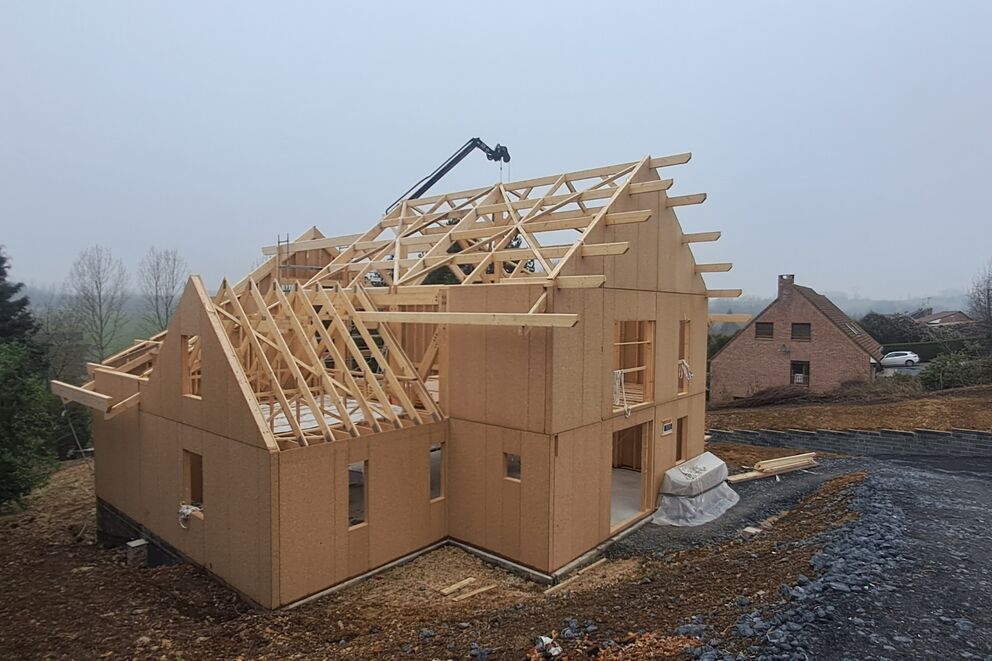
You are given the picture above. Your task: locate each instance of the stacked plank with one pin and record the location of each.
(770, 467)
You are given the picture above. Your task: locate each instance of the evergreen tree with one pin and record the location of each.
(26, 460)
(16, 322)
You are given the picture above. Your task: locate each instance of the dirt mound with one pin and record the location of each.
(967, 408)
(69, 599)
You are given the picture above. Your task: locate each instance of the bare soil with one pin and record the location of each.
(966, 408)
(64, 597)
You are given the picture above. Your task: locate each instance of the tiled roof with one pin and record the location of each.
(842, 321)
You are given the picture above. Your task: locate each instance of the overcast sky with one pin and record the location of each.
(848, 143)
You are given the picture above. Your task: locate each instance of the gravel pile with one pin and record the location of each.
(856, 559)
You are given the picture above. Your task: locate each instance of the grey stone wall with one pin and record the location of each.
(955, 443)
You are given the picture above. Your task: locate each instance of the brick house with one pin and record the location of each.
(801, 339)
(945, 318)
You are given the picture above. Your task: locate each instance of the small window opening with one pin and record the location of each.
(436, 463)
(192, 374)
(764, 330)
(192, 478)
(799, 373)
(681, 438)
(801, 332)
(358, 489)
(511, 466)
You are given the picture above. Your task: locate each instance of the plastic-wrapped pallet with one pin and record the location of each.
(695, 492)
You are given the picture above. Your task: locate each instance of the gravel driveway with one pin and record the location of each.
(910, 579)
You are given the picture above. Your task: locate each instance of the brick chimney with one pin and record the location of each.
(785, 282)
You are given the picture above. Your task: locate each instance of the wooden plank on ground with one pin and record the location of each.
(757, 475)
(466, 595)
(455, 587)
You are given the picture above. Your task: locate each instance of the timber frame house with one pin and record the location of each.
(335, 411)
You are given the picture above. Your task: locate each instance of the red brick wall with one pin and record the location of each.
(747, 365)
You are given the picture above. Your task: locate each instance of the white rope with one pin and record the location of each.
(620, 392)
(186, 511)
(684, 371)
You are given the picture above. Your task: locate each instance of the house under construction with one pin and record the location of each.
(335, 411)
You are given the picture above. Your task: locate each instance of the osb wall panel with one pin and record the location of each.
(581, 491)
(223, 408)
(693, 407)
(140, 472)
(657, 259)
(581, 372)
(238, 514)
(486, 509)
(117, 445)
(316, 547)
(496, 374)
(672, 309)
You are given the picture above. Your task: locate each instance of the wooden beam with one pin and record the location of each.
(474, 318)
(94, 400)
(455, 587)
(650, 186)
(624, 217)
(313, 244)
(406, 295)
(665, 161)
(700, 237)
(466, 595)
(683, 200)
(723, 293)
(729, 318)
(578, 281)
(123, 405)
(718, 267)
(601, 249)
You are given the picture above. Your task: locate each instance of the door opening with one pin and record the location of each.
(627, 474)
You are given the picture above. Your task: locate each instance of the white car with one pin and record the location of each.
(900, 359)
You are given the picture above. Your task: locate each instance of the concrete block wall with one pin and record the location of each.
(954, 443)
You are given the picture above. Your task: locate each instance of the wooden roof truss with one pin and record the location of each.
(526, 231)
(318, 369)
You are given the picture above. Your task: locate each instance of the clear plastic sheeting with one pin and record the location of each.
(695, 492)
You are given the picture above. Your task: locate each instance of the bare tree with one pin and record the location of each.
(980, 298)
(161, 275)
(98, 287)
(59, 333)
